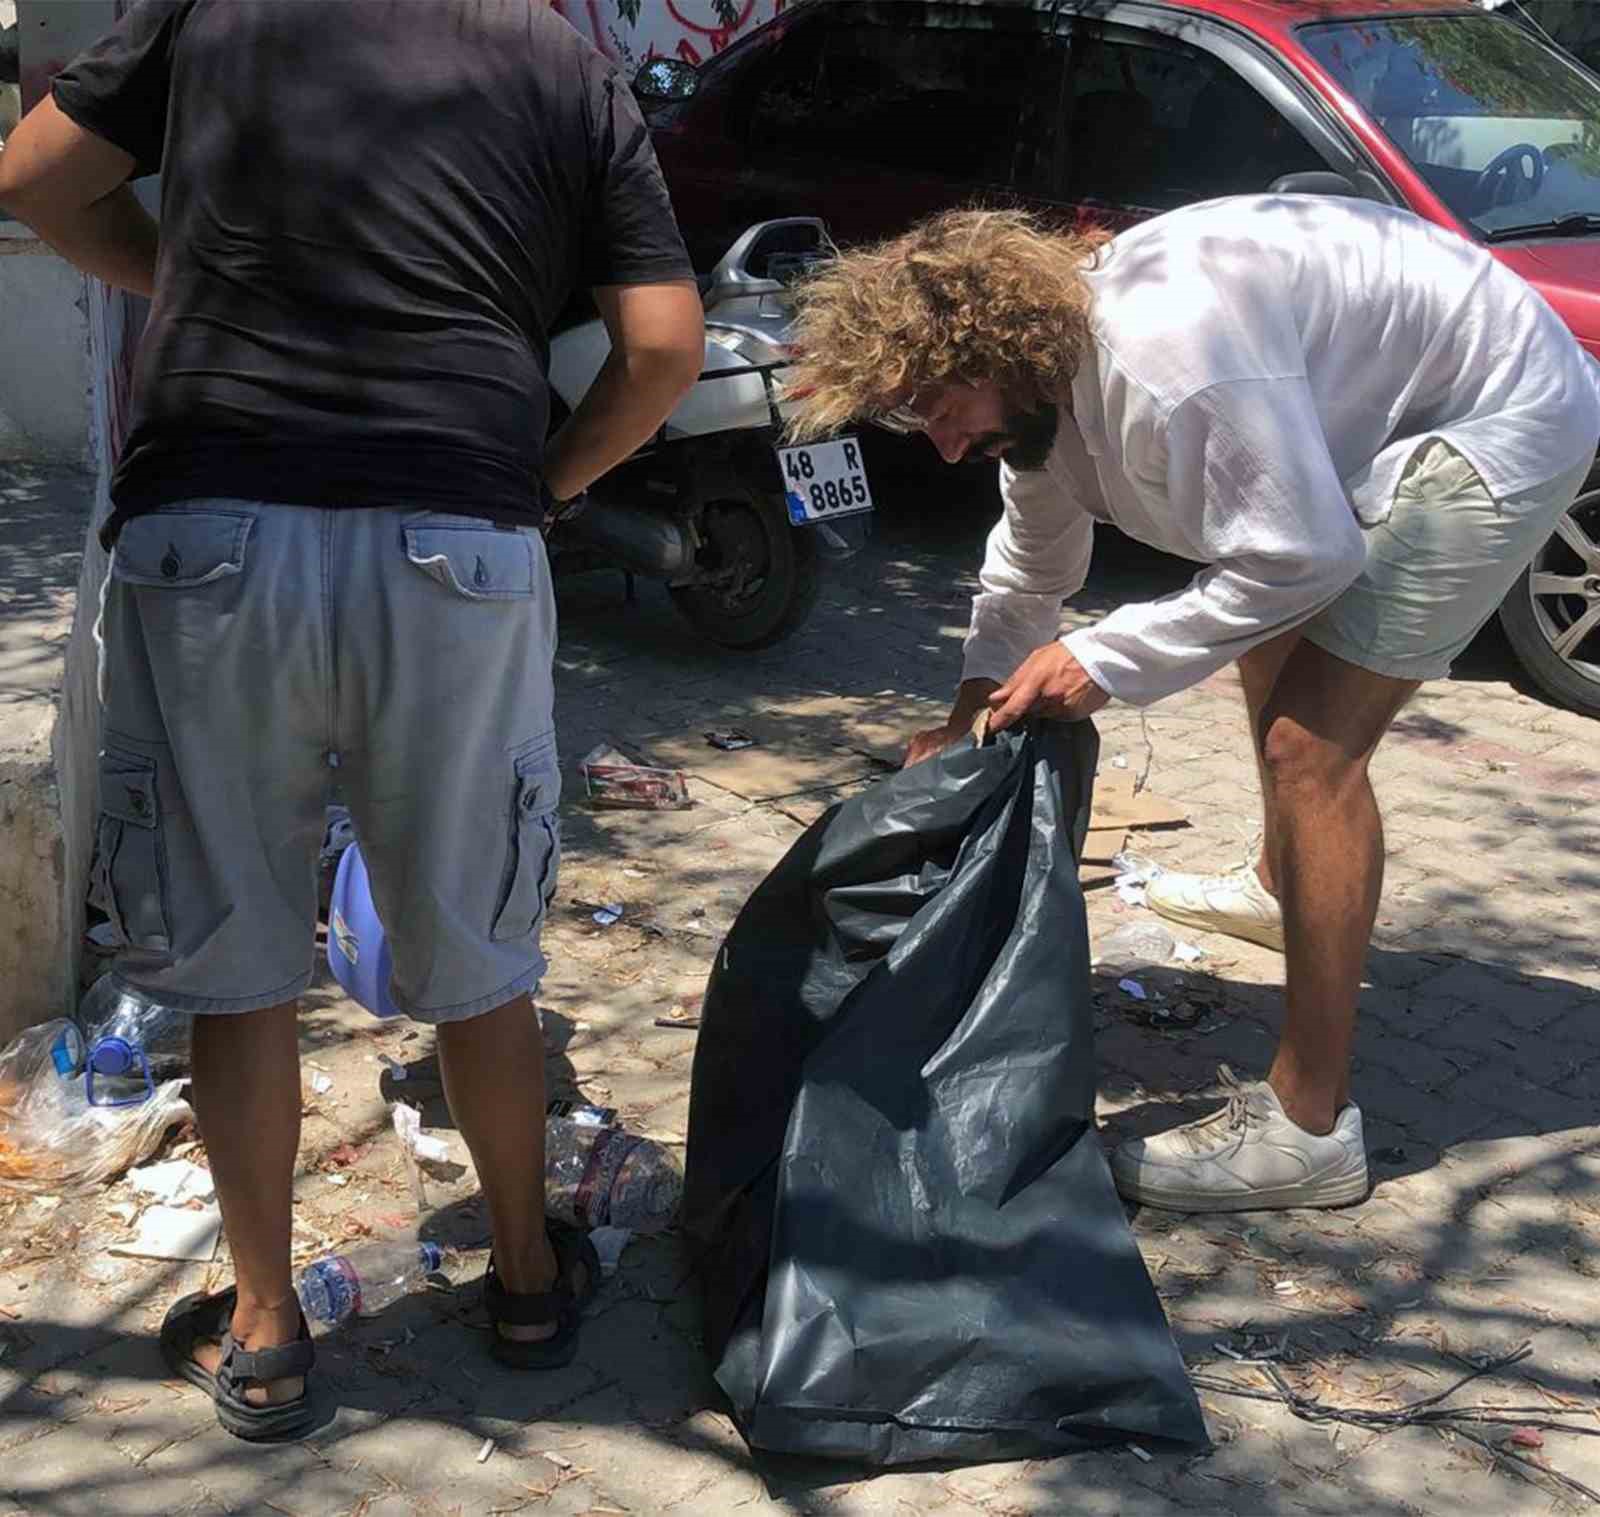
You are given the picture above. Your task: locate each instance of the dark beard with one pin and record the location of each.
(1035, 433)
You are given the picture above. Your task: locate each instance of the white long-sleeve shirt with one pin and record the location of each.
(1261, 370)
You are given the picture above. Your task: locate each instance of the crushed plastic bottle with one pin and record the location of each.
(1134, 946)
(51, 1139)
(132, 1044)
(364, 1281)
(605, 1177)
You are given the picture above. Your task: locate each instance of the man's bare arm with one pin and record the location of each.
(657, 351)
(71, 187)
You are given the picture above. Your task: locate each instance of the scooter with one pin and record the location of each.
(737, 526)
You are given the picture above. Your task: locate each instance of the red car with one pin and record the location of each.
(872, 114)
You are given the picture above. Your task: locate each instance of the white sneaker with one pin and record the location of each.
(1247, 1157)
(1235, 903)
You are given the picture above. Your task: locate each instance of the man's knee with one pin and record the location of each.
(1296, 759)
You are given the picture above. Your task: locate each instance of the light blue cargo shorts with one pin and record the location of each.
(261, 661)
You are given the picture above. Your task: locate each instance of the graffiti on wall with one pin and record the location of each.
(629, 32)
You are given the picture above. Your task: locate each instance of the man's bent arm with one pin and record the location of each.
(71, 187)
(1037, 556)
(657, 351)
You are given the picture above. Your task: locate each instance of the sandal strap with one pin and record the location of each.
(528, 1308)
(282, 1361)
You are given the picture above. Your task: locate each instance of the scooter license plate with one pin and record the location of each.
(824, 480)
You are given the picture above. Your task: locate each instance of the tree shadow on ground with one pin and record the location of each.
(1484, 1158)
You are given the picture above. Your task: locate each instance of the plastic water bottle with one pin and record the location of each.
(364, 1281)
(52, 1051)
(604, 1177)
(133, 1044)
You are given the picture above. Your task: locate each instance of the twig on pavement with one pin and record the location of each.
(1426, 1412)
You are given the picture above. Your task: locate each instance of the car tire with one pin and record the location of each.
(1538, 611)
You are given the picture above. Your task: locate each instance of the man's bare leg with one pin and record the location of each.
(1316, 733)
(493, 1068)
(1258, 673)
(247, 1102)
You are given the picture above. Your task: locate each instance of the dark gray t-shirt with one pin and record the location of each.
(372, 211)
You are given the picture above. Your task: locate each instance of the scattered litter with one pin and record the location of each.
(122, 1210)
(609, 1243)
(731, 741)
(432, 1150)
(1287, 1288)
(608, 916)
(103, 935)
(1132, 988)
(322, 1084)
(1188, 953)
(485, 1450)
(635, 874)
(1138, 1453)
(689, 1024)
(175, 1182)
(339, 1179)
(611, 780)
(174, 1232)
(1133, 945)
(343, 1155)
(397, 1070)
(558, 1460)
(1528, 1438)
(1120, 761)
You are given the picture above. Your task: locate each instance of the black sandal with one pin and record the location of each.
(561, 1304)
(199, 1317)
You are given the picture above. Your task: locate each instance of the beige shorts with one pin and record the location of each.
(1439, 567)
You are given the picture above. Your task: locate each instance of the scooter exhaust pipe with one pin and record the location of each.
(634, 537)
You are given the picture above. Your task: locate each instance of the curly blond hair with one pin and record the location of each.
(965, 297)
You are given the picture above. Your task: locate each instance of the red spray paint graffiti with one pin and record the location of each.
(631, 32)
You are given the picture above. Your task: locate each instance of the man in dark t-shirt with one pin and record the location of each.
(327, 578)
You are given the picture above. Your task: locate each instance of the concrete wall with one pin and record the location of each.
(66, 351)
(44, 332)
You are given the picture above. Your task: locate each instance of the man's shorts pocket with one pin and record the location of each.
(128, 881)
(472, 558)
(177, 550)
(534, 842)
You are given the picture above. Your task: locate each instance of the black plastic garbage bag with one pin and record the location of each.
(908, 1239)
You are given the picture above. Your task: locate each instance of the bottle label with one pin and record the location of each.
(610, 1152)
(344, 1287)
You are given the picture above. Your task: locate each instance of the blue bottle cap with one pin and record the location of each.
(113, 1056)
(432, 1257)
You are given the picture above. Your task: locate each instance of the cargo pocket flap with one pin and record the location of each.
(538, 781)
(535, 843)
(179, 549)
(482, 563)
(128, 789)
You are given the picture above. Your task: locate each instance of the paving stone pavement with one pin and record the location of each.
(1478, 1065)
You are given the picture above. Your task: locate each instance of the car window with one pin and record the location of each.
(974, 105)
(1156, 124)
(1503, 128)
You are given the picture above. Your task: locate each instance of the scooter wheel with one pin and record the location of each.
(759, 576)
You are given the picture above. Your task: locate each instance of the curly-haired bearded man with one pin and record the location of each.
(1364, 426)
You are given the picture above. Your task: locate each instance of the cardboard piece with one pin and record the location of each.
(174, 1232)
(1116, 805)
